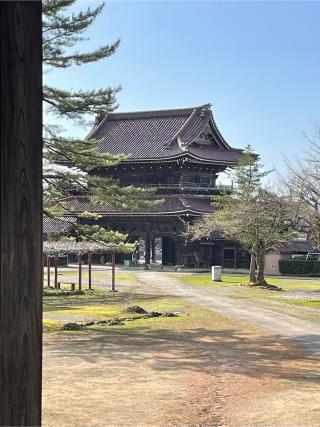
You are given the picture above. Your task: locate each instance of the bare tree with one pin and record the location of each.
(257, 223)
(252, 215)
(302, 185)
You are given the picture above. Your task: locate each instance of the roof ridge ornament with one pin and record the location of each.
(182, 144)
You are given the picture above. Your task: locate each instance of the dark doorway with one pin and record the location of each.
(229, 258)
(168, 251)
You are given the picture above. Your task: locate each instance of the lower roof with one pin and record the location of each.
(171, 205)
(294, 246)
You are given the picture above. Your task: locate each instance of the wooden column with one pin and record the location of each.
(113, 272)
(48, 270)
(80, 270)
(147, 248)
(153, 250)
(21, 278)
(178, 252)
(89, 270)
(56, 271)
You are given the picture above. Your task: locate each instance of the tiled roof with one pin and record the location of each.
(294, 246)
(172, 204)
(57, 226)
(163, 134)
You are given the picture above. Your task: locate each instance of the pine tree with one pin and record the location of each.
(69, 163)
(249, 173)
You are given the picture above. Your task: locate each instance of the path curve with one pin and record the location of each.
(298, 331)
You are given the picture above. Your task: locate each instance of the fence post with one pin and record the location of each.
(89, 270)
(56, 272)
(113, 270)
(48, 269)
(80, 270)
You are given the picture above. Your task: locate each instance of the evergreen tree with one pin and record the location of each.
(69, 163)
(249, 173)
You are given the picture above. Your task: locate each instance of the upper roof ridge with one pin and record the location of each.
(155, 113)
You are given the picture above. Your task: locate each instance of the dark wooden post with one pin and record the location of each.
(80, 270)
(147, 248)
(153, 250)
(56, 271)
(178, 257)
(113, 272)
(21, 275)
(48, 269)
(89, 270)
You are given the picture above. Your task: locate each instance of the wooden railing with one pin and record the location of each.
(185, 185)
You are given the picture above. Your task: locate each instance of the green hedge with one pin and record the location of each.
(301, 267)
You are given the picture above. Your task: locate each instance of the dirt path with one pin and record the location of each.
(280, 325)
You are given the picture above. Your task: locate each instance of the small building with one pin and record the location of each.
(286, 251)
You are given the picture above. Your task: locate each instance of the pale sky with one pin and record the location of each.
(256, 62)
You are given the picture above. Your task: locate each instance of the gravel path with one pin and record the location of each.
(299, 331)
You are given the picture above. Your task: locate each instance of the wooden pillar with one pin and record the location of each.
(89, 270)
(147, 248)
(178, 252)
(21, 276)
(56, 271)
(80, 271)
(113, 272)
(48, 270)
(153, 250)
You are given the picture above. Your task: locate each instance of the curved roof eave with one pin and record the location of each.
(178, 157)
(180, 212)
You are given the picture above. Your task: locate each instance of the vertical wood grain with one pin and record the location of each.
(21, 213)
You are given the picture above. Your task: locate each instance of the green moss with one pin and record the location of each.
(51, 325)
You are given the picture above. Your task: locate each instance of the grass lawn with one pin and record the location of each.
(104, 305)
(234, 287)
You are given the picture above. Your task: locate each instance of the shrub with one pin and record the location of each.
(300, 267)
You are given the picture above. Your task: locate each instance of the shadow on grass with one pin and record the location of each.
(198, 350)
(109, 299)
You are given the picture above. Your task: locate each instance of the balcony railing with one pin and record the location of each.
(185, 186)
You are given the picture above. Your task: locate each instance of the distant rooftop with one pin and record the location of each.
(165, 134)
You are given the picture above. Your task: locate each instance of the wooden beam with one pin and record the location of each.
(21, 213)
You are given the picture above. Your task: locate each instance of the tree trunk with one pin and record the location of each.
(252, 274)
(260, 258)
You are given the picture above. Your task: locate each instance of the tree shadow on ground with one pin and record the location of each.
(198, 350)
(53, 303)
